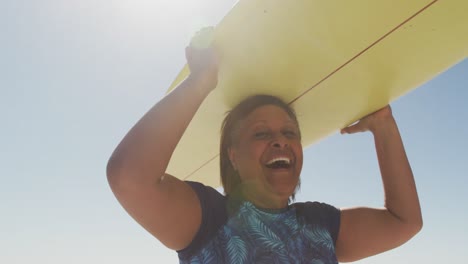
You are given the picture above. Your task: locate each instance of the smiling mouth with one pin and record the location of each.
(279, 163)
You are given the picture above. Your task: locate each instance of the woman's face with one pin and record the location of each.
(267, 153)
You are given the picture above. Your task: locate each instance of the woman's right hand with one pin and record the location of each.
(203, 64)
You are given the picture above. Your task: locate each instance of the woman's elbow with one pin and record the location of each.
(113, 170)
(418, 226)
(414, 227)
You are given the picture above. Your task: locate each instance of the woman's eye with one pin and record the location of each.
(290, 133)
(261, 134)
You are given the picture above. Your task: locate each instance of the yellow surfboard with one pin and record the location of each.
(335, 61)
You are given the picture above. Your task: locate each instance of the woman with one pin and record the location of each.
(261, 160)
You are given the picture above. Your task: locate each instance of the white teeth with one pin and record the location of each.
(284, 159)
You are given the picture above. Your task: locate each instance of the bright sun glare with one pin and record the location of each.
(170, 14)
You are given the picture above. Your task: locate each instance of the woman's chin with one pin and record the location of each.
(285, 185)
(285, 190)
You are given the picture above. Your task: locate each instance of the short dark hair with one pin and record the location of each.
(229, 178)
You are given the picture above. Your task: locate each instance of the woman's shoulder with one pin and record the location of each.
(214, 216)
(212, 202)
(314, 206)
(320, 214)
(204, 190)
(317, 210)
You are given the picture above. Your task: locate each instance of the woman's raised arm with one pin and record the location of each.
(164, 205)
(368, 231)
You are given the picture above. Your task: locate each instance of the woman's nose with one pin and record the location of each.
(279, 142)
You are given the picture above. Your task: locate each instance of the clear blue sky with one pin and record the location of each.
(76, 75)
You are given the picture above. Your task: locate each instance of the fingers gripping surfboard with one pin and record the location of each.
(334, 61)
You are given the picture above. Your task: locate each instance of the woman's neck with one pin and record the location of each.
(263, 199)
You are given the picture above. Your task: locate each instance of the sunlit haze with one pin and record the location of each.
(75, 76)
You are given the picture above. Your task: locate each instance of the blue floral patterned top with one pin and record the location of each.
(300, 233)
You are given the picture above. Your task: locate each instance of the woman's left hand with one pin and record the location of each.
(370, 122)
